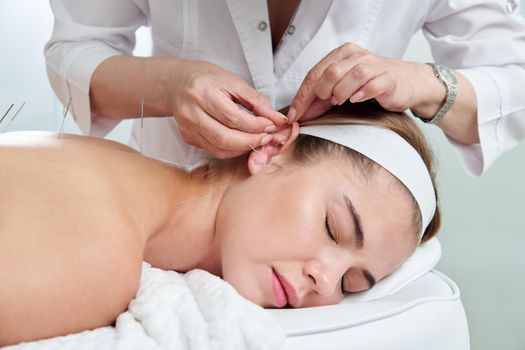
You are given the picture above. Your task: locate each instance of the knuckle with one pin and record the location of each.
(334, 73)
(347, 47)
(360, 71)
(312, 76)
(195, 82)
(231, 118)
(390, 82)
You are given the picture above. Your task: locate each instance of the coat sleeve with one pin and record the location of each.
(485, 41)
(86, 33)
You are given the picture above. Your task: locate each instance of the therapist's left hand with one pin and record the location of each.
(351, 72)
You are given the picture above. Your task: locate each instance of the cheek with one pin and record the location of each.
(262, 216)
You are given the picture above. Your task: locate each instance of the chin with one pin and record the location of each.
(248, 290)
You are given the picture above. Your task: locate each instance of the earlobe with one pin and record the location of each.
(262, 156)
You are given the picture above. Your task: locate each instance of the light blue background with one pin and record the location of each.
(483, 218)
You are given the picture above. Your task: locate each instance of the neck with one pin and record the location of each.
(186, 240)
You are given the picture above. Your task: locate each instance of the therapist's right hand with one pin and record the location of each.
(206, 101)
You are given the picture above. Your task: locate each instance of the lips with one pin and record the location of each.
(283, 291)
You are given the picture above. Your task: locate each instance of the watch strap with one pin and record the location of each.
(449, 100)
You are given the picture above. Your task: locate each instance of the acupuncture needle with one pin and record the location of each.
(10, 121)
(6, 113)
(141, 123)
(64, 118)
(273, 161)
(194, 199)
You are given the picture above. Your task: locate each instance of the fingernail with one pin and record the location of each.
(270, 128)
(333, 101)
(266, 139)
(283, 116)
(291, 114)
(357, 96)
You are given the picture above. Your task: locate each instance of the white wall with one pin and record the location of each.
(483, 229)
(483, 236)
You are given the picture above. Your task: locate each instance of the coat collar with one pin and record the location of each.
(257, 44)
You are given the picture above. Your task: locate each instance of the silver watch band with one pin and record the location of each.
(450, 82)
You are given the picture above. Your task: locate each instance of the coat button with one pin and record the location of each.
(290, 30)
(262, 26)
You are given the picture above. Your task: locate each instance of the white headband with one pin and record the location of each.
(392, 152)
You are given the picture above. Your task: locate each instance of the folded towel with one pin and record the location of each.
(196, 310)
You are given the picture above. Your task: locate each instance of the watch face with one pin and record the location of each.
(447, 75)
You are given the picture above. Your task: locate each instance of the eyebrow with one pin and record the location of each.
(357, 222)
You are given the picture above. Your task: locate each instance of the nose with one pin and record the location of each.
(324, 276)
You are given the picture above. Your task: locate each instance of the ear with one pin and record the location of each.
(282, 139)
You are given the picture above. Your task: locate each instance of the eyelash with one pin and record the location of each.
(332, 237)
(328, 229)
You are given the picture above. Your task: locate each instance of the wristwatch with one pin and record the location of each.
(449, 80)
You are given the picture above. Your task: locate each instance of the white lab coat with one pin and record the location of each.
(484, 39)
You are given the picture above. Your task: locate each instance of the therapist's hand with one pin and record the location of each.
(351, 72)
(206, 101)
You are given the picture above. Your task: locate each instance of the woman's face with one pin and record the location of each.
(276, 249)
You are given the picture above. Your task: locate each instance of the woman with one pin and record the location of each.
(78, 215)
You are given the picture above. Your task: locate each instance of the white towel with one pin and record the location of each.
(196, 310)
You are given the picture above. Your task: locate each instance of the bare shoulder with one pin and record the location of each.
(49, 139)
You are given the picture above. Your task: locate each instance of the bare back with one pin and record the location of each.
(70, 226)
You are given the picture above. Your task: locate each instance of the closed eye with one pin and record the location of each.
(328, 229)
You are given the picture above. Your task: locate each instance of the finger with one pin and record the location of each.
(256, 102)
(317, 108)
(195, 139)
(332, 75)
(217, 152)
(359, 75)
(223, 109)
(305, 95)
(226, 138)
(380, 85)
